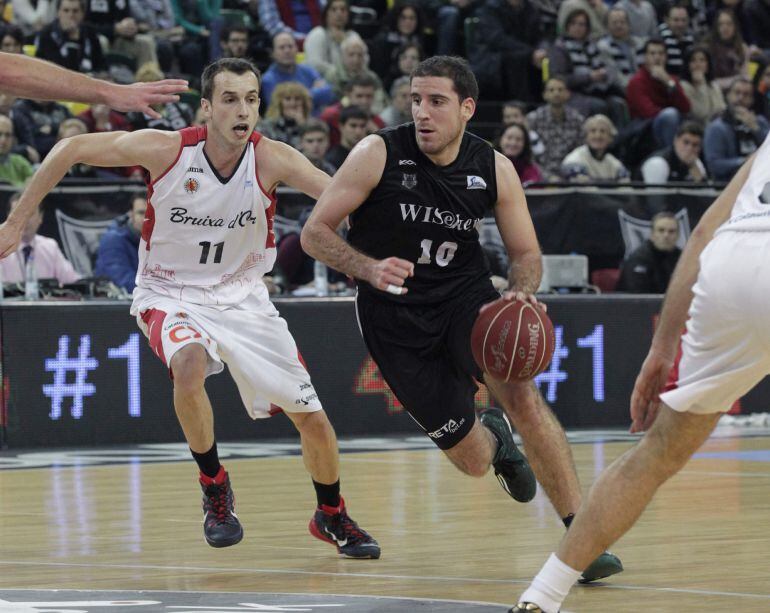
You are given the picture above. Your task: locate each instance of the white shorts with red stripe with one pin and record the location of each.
(726, 349)
(251, 338)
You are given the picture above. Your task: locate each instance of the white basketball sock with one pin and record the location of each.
(551, 585)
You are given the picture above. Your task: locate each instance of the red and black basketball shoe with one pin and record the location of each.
(334, 525)
(220, 523)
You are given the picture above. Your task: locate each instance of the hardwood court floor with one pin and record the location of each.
(703, 544)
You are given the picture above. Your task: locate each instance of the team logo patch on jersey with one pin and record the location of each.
(191, 185)
(409, 181)
(475, 182)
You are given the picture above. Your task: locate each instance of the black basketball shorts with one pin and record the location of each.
(424, 354)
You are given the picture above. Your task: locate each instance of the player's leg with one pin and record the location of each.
(331, 522)
(319, 447)
(191, 402)
(544, 442)
(622, 492)
(723, 356)
(475, 452)
(180, 341)
(269, 374)
(616, 501)
(221, 527)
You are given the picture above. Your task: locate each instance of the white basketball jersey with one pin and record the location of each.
(751, 211)
(206, 239)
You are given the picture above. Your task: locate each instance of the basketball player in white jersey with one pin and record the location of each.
(719, 290)
(207, 239)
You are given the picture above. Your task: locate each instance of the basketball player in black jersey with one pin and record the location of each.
(415, 195)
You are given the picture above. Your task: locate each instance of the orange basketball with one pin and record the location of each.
(512, 340)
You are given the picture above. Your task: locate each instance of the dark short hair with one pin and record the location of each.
(82, 4)
(690, 127)
(556, 77)
(404, 47)
(362, 80)
(313, 125)
(676, 5)
(655, 41)
(226, 64)
(352, 112)
(137, 196)
(14, 31)
(225, 35)
(664, 215)
(455, 69)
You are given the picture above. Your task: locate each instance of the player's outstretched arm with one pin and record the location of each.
(349, 188)
(281, 164)
(645, 401)
(28, 77)
(516, 229)
(155, 150)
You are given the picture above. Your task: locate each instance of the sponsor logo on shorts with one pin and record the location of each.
(180, 331)
(305, 400)
(449, 427)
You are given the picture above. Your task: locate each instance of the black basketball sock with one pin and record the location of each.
(208, 462)
(568, 520)
(328, 495)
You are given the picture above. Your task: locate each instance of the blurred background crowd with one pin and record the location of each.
(574, 91)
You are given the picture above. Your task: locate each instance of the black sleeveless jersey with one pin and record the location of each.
(429, 215)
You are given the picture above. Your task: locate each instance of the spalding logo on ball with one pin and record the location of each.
(512, 340)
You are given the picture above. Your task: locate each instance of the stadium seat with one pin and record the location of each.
(606, 279)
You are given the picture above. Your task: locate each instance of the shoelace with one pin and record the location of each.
(349, 528)
(219, 501)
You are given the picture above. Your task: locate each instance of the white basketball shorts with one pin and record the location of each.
(251, 338)
(726, 348)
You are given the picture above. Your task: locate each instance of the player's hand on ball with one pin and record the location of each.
(10, 237)
(390, 274)
(645, 399)
(510, 296)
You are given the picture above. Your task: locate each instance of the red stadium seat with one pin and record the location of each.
(606, 279)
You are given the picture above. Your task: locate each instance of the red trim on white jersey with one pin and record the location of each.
(190, 137)
(269, 211)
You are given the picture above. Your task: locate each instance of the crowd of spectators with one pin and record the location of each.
(645, 67)
(587, 90)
